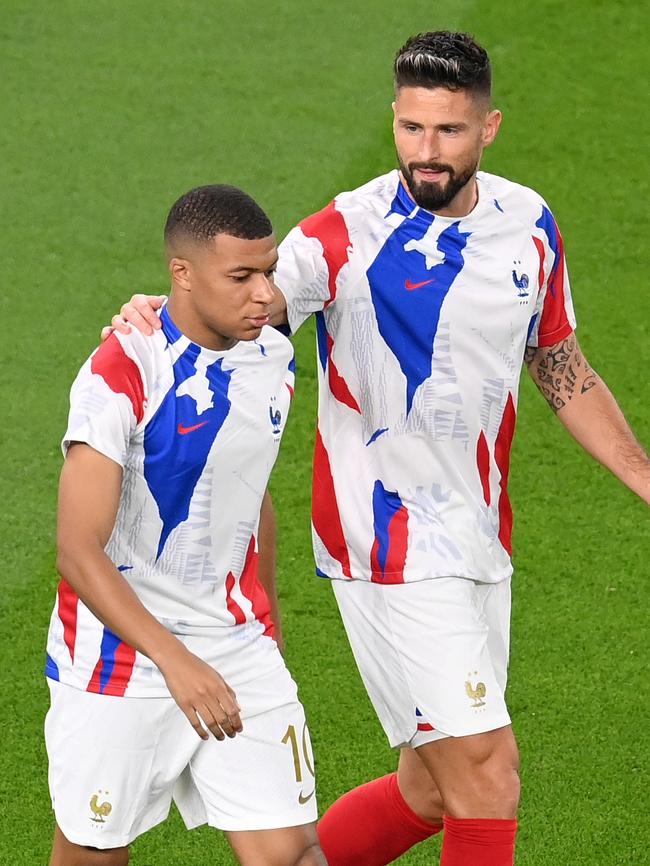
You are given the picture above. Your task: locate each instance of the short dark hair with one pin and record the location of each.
(441, 58)
(216, 209)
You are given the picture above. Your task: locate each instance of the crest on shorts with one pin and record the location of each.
(100, 810)
(475, 693)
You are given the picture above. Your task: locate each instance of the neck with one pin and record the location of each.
(191, 326)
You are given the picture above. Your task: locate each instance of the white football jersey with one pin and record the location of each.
(422, 321)
(197, 433)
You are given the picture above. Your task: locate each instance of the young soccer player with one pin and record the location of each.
(162, 630)
(431, 285)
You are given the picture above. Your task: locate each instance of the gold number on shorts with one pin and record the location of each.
(292, 737)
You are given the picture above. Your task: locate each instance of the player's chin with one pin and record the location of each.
(253, 328)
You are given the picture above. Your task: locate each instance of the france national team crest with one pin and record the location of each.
(408, 291)
(276, 419)
(521, 281)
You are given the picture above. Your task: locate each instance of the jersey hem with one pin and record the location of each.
(154, 692)
(381, 580)
(554, 336)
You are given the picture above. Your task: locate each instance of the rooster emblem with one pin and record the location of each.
(100, 810)
(276, 419)
(521, 282)
(476, 693)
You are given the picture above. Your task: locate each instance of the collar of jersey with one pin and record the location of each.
(406, 205)
(177, 338)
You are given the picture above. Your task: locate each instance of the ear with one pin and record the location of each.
(181, 273)
(491, 127)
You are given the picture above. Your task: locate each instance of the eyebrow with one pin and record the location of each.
(245, 268)
(456, 124)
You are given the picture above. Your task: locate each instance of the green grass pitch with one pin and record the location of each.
(110, 110)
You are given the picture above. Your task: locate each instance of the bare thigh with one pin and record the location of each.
(66, 853)
(286, 846)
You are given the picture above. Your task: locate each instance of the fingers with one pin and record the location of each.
(140, 312)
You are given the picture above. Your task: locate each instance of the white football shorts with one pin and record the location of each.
(116, 763)
(433, 654)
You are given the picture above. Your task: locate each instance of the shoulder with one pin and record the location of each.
(514, 199)
(332, 222)
(126, 364)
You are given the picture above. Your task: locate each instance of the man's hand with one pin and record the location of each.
(201, 693)
(140, 312)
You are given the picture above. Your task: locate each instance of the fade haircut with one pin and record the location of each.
(444, 59)
(207, 211)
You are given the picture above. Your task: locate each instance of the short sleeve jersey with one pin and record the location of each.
(422, 322)
(197, 433)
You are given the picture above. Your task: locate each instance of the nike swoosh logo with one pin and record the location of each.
(409, 286)
(302, 800)
(184, 430)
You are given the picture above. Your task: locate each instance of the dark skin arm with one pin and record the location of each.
(588, 410)
(266, 542)
(89, 493)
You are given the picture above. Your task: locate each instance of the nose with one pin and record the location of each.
(429, 147)
(262, 289)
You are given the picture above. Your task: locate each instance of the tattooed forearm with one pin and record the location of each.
(560, 371)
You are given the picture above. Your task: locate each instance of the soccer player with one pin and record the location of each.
(162, 629)
(431, 286)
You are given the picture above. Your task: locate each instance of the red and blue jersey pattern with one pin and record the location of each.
(196, 433)
(421, 324)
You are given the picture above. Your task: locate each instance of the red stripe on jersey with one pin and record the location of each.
(329, 227)
(398, 540)
(502, 458)
(253, 590)
(541, 252)
(483, 464)
(425, 726)
(94, 682)
(122, 668)
(120, 373)
(338, 385)
(554, 324)
(238, 614)
(67, 610)
(325, 510)
(289, 388)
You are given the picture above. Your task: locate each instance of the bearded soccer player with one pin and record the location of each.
(431, 286)
(162, 629)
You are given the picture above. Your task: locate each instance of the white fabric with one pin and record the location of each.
(433, 655)
(137, 754)
(422, 323)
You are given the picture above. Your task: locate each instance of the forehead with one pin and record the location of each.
(436, 104)
(230, 252)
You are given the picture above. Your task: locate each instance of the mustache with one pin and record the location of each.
(431, 166)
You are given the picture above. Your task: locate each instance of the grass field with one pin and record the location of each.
(110, 111)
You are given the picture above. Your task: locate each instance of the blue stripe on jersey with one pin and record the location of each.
(547, 224)
(51, 668)
(321, 338)
(407, 296)
(376, 435)
(110, 643)
(402, 204)
(531, 325)
(292, 365)
(178, 439)
(385, 505)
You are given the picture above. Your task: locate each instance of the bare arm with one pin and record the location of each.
(587, 408)
(89, 493)
(266, 542)
(141, 313)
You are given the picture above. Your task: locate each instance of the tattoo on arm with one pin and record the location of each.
(560, 371)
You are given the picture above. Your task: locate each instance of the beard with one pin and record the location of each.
(435, 196)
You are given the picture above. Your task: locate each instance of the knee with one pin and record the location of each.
(311, 856)
(422, 796)
(495, 779)
(66, 853)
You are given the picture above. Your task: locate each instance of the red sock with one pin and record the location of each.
(371, 825)
(478, 842)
